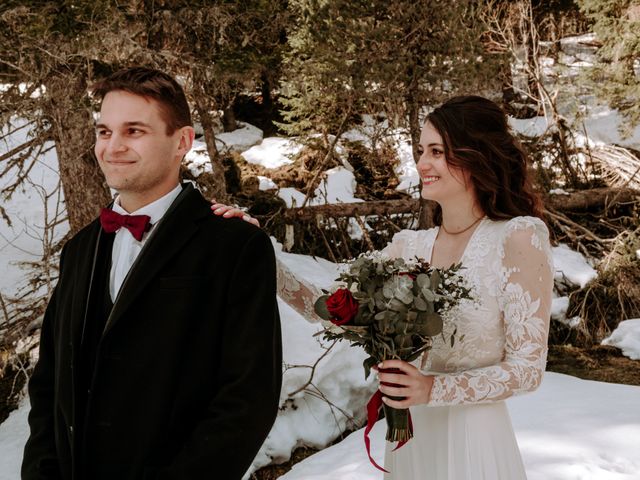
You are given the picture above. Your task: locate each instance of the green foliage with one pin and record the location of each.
(400, 306)
(350, 58)
(617, 78)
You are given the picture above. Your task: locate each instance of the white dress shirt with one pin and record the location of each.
(126, 248)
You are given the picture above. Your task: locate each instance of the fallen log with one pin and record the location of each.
(565, 202)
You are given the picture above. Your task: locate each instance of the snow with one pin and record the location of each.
(559, 307)
(22, 240)
(314, 270)
(626, 337)
(603, 125)
(572, 266)
(530, 127)
(338, 186)
(197, 159)
(13, 435)
(266, 183)
(273, 152)
(406, 170)
(306, 418)
(292, 197)
(239, 140)
(569, 429)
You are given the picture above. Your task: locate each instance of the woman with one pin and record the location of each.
(489, 220)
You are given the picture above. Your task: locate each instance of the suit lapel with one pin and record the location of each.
(83, 280)
(175, 228)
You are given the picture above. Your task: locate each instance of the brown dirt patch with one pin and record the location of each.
(602, 363)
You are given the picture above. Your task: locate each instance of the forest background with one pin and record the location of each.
(314, 70)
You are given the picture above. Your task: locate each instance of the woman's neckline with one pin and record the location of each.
(466, 247)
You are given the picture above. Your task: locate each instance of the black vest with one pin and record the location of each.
(99, 309)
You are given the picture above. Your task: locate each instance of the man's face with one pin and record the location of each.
(136, 155)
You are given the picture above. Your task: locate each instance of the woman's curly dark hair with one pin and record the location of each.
(478, 140)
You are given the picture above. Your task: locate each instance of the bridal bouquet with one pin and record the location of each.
(392, 308)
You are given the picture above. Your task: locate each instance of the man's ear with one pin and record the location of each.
(187, 134)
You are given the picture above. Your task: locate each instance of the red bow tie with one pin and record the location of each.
(137, 224)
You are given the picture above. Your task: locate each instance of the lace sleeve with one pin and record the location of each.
(524, 300)
(301, 295)
(297, 293)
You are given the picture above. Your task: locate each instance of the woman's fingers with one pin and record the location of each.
(394, 391)
(227, 211)
(399, 364)
(406, 381)
(250, 219)
(406, 403)
(395, 378)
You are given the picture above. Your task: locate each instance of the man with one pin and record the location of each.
(160, 351)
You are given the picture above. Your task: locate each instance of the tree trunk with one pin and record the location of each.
(579, 201)
(229, 123)
(337, 210)
(219, 188)
(72, 127)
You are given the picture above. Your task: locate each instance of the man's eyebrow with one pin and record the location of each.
(126, 124)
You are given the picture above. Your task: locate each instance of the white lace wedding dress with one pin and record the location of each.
(465, 432)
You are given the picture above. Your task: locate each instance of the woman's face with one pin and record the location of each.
(440, 181)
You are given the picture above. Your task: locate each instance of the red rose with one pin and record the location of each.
(342, 306)
(410, 275)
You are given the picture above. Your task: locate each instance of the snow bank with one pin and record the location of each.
(627, 338)
(273, 152)
(572, 266)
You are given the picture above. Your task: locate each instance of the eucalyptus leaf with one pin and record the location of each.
(420, 304)
(380, 315)
(405, 296)
(433, 325)
(435, 279)
(423, 280)
(367, 364)
(412, 315)
(363, 317)
(429, 296)
(396, 305)
(320, 307)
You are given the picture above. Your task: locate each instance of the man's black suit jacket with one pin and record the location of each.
(188, 370)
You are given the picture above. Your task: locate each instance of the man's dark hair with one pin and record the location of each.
(150, 83)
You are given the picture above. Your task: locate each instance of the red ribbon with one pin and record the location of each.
(373, 413)
(373, 410)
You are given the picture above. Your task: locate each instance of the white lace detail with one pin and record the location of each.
(297, 293)
(504, 349)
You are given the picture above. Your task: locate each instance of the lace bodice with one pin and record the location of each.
(500, 346)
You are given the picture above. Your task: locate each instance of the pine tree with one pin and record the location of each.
(617, 78)
(375, 56)
(51, 52)
(369, 57)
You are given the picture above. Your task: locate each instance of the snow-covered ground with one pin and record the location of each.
(569, 429)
